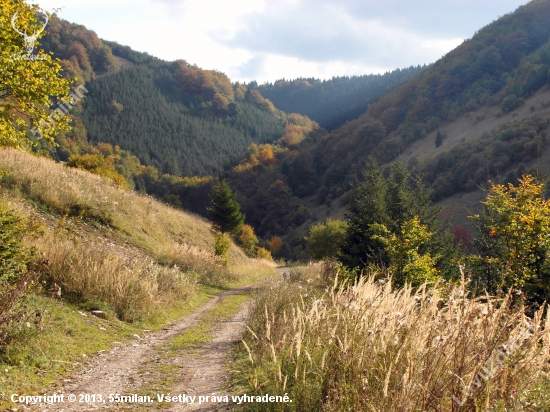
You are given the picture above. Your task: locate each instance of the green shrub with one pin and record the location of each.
(15, 276)
(324, 240)
(222, 243)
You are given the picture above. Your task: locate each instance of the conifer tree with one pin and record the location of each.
(392, 203)
(224, 210)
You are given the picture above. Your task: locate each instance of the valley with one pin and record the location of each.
(361, 242)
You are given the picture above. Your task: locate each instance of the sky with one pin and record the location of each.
(266, 40)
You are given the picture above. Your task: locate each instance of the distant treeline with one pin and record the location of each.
(333, 102)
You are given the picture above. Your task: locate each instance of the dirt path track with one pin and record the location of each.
(118, 371)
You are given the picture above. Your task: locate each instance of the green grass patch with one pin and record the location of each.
(198, 335)
(36, 358)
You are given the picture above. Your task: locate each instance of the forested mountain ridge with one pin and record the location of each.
(172, 115)
(140, 110)
(165, 128)
(333, 102)
(478, 113)
(502, 64)
(182, 121)
(487, 79)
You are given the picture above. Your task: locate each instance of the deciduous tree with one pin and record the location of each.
(514, 240)
(325, 240)
(249, 240)
(27, 82)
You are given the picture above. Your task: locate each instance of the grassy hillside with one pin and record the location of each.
(101, 247)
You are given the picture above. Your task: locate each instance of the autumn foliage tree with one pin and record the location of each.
(99, 165)
(263, 253)
(266, 155)
(248, 240)
(462, 238)
(27, 85)
(410, 262)
(514, 240)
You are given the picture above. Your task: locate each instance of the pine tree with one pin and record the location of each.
(224, 210)
(392, 203)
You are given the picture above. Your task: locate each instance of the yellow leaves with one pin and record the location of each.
(264, 254)
(266, 155)
(404, 251)
(297, 129)
(517, 223)
(248, 239)
(28, 82)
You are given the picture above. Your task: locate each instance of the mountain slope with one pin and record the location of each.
(109, 264)
(175, 116)
(492, 85)
(161, 131)
(333, 102)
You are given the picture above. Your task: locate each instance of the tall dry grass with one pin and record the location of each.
(141, 220)
(371, 348)
(110, 245)
(208, 268)
(98, 270)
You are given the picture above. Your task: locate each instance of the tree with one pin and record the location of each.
(274, 244)
(325, 240)
(222, 243)
(27, 82)
(266, 155)
(514, 240)
(98, 165)
(438, 139)
(407, 263)
(224, 210)
(263, 253)
(462, 238)
(249, 240)
(392, 202)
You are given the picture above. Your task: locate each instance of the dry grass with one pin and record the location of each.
(371, 348)
(208, 268)
(98, 270)
(141, 220)
(111, 246)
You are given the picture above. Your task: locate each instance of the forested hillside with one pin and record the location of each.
(187, 121)
(480, 86)
(81, 52)
(333, 102)
(166, 124)
(504, 63)
(174, 116)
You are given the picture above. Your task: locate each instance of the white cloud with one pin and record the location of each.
(270, 67)
(268, 40)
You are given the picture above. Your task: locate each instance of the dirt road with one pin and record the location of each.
(126, 369)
